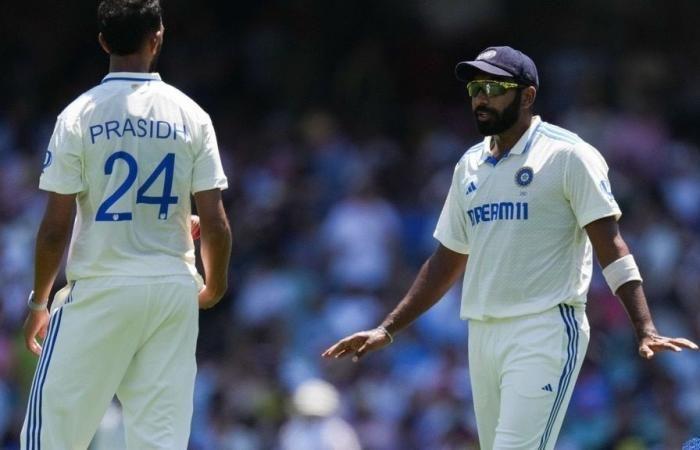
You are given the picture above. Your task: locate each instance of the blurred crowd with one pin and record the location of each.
(339, 125)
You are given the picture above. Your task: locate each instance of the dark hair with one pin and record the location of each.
(125, 24)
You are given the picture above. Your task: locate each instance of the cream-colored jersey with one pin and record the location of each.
(520, 219)
(133, 149)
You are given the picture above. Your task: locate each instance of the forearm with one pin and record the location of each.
(434, 279)
(610, 247)
(632, 297)
(216, 252)
(50, 246)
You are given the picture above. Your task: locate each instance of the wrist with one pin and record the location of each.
(648, 333)
(383, 329)
(36, 305)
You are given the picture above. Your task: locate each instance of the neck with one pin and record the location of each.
(503, 142)
(129, 63)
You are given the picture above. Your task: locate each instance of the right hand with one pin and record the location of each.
(208, 298)
(358, 344)
(35, 326)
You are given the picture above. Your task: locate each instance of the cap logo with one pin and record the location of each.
(488, 54)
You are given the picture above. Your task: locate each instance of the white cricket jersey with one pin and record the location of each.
(133, 149)
(521, 221)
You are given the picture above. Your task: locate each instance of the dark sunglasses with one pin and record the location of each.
(491, 88)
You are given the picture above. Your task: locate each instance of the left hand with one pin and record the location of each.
(653, 343)
(358, 344)
(194, 227)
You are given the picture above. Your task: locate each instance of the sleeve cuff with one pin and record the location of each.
(59, 188)
(592, 216)
(452, 244)
(211, 183)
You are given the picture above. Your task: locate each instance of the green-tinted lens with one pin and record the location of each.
(490, 88)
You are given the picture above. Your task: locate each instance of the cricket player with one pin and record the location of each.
(526, 207)
(127, 154)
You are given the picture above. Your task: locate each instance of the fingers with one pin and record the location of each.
(645, 352)
(35, 325)
(31, 343)
(42, 332)
(361, 351)
(685, 343)
(661, 343)
(345, 346)
(338, 349)
(33, 346)
(195, 228)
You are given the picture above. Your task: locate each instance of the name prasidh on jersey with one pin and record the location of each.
(138, 128)
(491, 212)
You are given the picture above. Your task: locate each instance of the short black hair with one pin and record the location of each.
(125, 24)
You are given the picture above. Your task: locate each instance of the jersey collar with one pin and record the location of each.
(520, 147)
(134, 77)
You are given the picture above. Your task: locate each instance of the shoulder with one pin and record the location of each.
(566, 143)
(559, 137)
(184, 102)
(472, 152)
(76, 110)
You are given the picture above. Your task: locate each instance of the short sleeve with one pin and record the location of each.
(63, 162)
(451, 229)
(587, 187)
(208, 173)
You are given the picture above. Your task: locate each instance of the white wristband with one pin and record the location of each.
(621, 271)
(391, 338)
(36, 306)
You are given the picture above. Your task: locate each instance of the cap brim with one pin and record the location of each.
(466, 70)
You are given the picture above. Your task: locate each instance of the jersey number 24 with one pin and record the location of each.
(167, 165)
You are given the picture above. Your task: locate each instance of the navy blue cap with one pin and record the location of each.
(501, 61)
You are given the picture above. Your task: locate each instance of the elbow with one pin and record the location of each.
(53, 235)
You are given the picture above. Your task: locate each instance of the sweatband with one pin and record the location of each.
(621, 271)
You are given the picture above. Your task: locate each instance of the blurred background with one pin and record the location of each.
(339, 124)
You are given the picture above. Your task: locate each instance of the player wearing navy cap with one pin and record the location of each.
(127, 155)
(526, 208)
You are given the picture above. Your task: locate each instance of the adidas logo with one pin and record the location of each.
(547, 388)
(471, 187)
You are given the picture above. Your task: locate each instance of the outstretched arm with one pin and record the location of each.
(435, 277)
(610, 247)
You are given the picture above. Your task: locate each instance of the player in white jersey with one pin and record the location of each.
(526, 208)
(129, 154)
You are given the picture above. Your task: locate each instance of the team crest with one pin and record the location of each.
(524, 176)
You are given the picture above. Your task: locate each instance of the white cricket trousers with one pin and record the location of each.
(523, 372)
(132, 337)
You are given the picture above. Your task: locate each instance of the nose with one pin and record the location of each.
(481, 99)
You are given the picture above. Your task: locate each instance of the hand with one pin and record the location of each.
(208, 298)
(194, 227)
(359, 344)
(35, 326)
(652, 343)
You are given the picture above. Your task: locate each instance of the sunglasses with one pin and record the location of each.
(491, 88)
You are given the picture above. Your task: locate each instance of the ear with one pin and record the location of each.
(157, 40)
(103, 44)
(528, 97)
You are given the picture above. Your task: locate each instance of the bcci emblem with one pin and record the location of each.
(524, 176)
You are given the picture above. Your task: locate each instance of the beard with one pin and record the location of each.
(499, 122)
